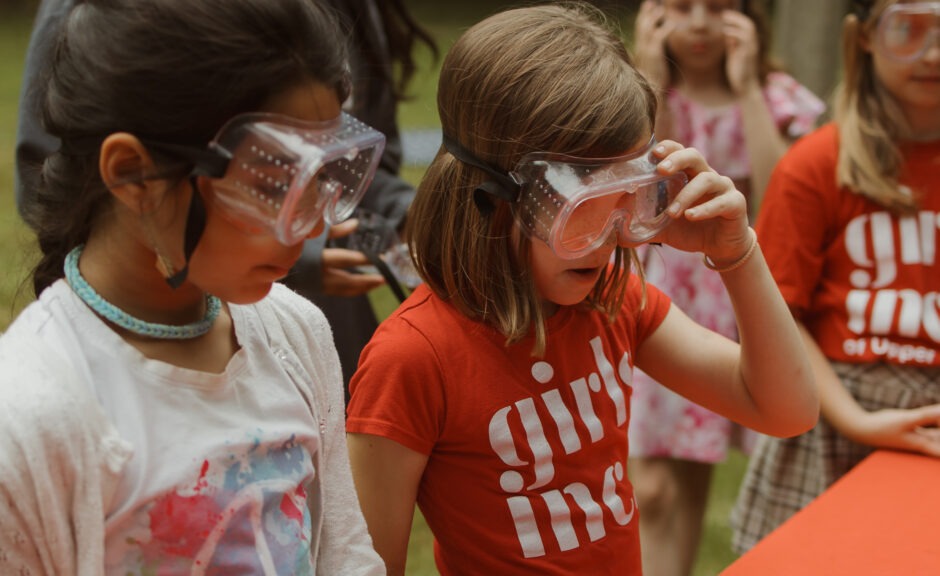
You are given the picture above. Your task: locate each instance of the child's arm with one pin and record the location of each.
(766, 382)
(387, 475)
(765, 144)
(913, 429)
(650, 32)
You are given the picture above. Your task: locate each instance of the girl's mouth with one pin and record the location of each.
(585, 272)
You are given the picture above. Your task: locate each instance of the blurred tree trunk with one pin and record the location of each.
(807, 37)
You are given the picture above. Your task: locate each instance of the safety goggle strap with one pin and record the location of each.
(195, 225)
(500, 186)
(211, 162)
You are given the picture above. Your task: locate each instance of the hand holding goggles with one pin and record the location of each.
(280, 175)
(906, 31)
(574, 204)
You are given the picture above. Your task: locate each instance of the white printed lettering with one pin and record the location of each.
(523, 479)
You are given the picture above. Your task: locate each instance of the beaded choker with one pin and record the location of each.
(113, 314)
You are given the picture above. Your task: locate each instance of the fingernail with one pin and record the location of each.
(674, 209)
(660, 149)
(666, 164)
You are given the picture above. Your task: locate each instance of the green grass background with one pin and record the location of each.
(17, 251)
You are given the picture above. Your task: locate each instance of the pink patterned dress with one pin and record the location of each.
(662, 423)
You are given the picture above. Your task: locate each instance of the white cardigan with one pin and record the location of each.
(61, 458)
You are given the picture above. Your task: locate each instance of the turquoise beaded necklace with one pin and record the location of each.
(113, 314)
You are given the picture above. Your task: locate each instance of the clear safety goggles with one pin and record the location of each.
(906, 31)
(276, 174)
(574, 204)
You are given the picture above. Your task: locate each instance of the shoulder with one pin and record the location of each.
(407, 371)
(31, 374)
(644, 305)
(293, 314)
(421, 344)
(427, 313)
(293, 323)
(803, 194)
(285, 302)
(38, 379)
(794, 107)
(423, 325)
(781, 82)
(804, 179)
(819, 148)
(44, 403)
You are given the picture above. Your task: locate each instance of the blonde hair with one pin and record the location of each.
(551, 78)
(870, 121)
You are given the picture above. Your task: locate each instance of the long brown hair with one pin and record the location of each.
(551, 78)
(870, 121)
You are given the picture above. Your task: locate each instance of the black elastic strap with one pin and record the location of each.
(499, 186)
(386, 272)
(195, 225)
(211, 162)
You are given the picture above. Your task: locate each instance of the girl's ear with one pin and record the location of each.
(123, 163)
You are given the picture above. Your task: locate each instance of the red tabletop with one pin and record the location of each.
(882, 518)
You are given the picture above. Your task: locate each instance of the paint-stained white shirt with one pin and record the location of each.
(113, 463)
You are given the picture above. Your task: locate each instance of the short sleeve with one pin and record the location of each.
(397, 391)
(794, 107)
(649, 309)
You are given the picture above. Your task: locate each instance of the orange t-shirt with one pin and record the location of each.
(527, 456)
(864, 281)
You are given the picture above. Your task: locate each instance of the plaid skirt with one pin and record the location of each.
(786, 474)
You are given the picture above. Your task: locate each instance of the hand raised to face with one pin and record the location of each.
(650, 35)
(742, 51)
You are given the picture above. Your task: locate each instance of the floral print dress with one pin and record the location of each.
(662, 423)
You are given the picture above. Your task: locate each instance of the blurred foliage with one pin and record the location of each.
(16, 8)
(16, 245)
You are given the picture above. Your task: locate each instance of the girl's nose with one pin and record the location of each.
(698, 17)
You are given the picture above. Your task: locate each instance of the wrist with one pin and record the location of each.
(722, 266)
(751, 89)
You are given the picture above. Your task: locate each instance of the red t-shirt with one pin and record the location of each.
(864, 281)
(527, 456)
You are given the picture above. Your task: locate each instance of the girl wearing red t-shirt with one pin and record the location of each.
(849, 228)
(497, 397)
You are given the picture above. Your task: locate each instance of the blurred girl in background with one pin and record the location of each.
(850, 228)
(722, 95)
